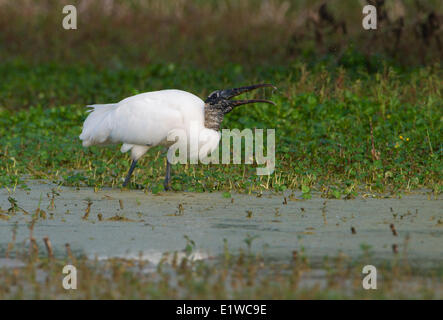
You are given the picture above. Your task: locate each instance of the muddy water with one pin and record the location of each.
(133, 221)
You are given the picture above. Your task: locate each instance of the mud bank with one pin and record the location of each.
(130, 222)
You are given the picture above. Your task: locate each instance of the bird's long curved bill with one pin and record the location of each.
(230, 93)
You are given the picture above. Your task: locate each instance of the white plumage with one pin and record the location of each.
(148, 119)
(143, 121)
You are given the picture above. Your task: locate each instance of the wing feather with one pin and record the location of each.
(143, 119)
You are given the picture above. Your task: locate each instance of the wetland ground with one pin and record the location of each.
(275, 228)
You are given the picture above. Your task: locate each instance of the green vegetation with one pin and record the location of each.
(322, 119)
(333, 87)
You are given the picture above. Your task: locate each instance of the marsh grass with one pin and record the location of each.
(358, 117)
(234, 275)
(114, 33)
(338, 130)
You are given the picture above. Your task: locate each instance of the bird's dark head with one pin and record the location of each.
(219, 103)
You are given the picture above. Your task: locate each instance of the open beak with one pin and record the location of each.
(230, 93)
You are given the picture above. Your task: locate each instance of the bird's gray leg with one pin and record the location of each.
(168, 175)
(128, 176)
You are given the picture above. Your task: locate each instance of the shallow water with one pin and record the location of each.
(154, 224)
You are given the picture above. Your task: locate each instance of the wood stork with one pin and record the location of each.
(144, 120)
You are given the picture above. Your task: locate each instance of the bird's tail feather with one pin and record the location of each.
(97, 126)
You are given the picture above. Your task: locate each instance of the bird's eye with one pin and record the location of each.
(213, 95)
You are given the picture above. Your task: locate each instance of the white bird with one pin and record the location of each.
(145, 120)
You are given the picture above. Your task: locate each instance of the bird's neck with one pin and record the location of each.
(213, 118)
